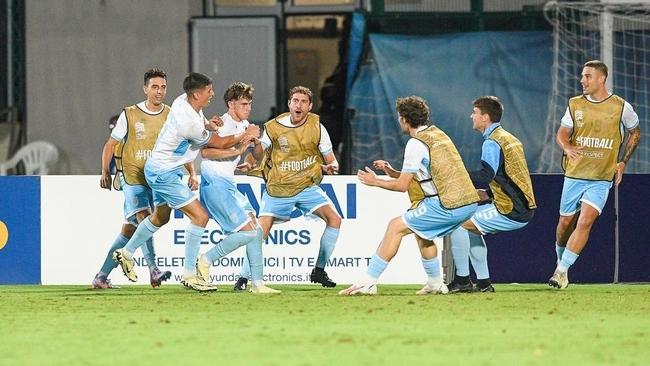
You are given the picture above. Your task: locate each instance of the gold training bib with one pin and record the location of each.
(293, 161)
(448, 172)
(516, 169)
(131, 154)
(597, 128)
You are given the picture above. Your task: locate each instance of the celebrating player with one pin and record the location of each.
(178, 144)
(590, 135)
(132, 138)
(450, 199)
(298, 151)
(220, 196)
(505, 170)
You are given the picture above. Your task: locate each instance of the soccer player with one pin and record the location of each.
(298, 152)
(428, 249)
(133, 135)
(591, 135)
(178, 144)
(505, 171)
(219, 194)
(431, 158)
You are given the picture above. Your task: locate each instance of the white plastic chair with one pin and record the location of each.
(35, 157)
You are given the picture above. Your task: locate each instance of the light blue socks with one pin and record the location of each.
(478, 256)
(568, 258)
(109, 263)
(144, 231)
(431, 267)
(376, 266)
(245, 268)
(327, 244)
(460, 251)
(149, 254)
(254, 252)
(193, 236)
(559, 251)
(230, 243)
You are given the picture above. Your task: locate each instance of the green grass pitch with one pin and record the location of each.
(309, 325)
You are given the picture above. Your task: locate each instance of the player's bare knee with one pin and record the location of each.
(564, 222)
(585, 223)
(128, 230)
(141, 215)
(200, 218)
(334, 221)
(163, 220)
(394, 226)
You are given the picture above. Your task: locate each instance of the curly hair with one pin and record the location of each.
(414, 109)
(238, 90)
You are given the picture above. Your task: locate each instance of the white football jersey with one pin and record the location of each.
(225, 167)
(180, 139)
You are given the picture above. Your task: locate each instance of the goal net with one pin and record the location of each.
(615, 32)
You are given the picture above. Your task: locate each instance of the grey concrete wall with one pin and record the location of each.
(85, 62)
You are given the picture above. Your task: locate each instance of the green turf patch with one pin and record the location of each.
(309, 325)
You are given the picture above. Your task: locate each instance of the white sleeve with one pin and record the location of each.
(630, 119)
(567, 120)
(325, 145)
(414, 153)
(120, 129)
(227, 130)
(265, 140)
(196, 133)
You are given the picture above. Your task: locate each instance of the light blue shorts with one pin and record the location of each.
(489, 221)
(136, 198)
(307, 201)
(168, 188)
(430, 220)
(226, 205)
(576, 191)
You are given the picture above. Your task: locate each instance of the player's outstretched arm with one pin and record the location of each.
(385, 166)
(369, 178)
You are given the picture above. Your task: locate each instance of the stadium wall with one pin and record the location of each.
(58, 229)
(85, 61)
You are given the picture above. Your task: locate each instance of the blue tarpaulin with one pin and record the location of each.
(450, 71)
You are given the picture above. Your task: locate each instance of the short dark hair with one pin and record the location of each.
(195, 81)
(490, 105)
(154, 73)
(414, 109)
(238, 90)
(302, 90)
(598, 65)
